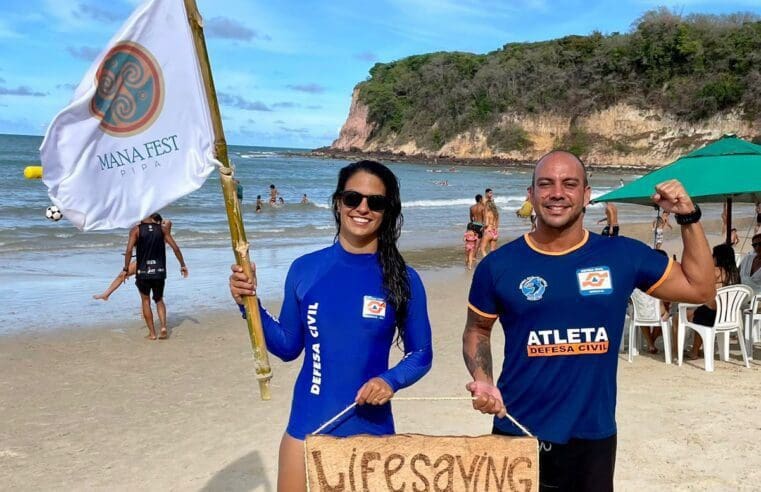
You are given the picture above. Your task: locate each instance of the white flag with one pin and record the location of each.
(137, 135)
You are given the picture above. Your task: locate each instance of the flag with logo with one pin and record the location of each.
(137, 134)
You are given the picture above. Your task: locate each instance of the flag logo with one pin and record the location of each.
(373, 307)
(130, 90)
(594, 281)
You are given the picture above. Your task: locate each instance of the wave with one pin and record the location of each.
(513, 200)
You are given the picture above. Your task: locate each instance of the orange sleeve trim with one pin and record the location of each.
(663, 277)
(481, 313)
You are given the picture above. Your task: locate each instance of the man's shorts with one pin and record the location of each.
(478, 228)
(580, 464)
(758, 218)
(145, 286)
(606, 231)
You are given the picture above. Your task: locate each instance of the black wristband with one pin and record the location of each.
(690, 218)
(125, 269)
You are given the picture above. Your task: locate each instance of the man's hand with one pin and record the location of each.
(184, 271)
(374, 392)
(672, 197)
(240, 285)
(488, 398)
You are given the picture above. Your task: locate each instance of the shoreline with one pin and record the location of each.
(206, 291)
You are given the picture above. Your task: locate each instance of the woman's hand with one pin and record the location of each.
(240, 285)
(374, 392)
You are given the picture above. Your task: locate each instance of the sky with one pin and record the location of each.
(285, 70)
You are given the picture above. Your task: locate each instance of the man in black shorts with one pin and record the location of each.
(560, 294)
(477, 217)
(151, 237)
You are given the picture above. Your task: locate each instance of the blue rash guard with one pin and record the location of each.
(334, 309)
(563, 317)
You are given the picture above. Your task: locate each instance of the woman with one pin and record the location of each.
(491, 228)
(725, 273)
(344, 305)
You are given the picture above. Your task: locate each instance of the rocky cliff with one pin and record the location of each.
(621, 135)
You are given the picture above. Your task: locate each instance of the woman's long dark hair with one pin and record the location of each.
(724, 258)
(396, 282)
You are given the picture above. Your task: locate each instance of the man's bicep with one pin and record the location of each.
(675, 287)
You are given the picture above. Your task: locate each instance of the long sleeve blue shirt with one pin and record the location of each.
(335, 310)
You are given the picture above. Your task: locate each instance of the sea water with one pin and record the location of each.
(49, 270)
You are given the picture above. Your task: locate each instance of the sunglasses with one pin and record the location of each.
(352, 199)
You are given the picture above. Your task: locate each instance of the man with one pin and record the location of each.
(560, 293)
(489, 196)
(758, 217)
(151, 236)
(611, 220)
(477, 217)
(750, 266)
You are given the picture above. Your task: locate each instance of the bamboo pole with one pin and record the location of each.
(234, 217)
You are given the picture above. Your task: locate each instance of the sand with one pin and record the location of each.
(105, 409)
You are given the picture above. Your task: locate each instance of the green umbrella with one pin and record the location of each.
(725, 170)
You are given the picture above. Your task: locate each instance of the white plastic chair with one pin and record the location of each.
(730, 301)
(752, 325)
(646, 311)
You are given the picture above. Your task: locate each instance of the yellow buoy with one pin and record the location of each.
(33, 172)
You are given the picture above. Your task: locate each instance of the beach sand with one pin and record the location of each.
(103, 408)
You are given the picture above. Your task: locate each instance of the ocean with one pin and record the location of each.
(50, 270)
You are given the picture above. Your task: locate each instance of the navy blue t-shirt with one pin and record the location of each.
(335, 310)
(563, 316)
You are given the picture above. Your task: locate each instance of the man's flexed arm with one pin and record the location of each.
(476, 350)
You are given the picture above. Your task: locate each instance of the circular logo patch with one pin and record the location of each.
(130, 90)
(533, 288)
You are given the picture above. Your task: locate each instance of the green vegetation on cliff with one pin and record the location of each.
(692, 67)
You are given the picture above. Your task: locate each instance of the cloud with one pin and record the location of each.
(225, 28)
(285, 104)
(251, 120)
(236, 101)
(311, 88)
(96, 14)
(2, 80)
(366, 56)
(67, 87)
(21, 90)
(279, 122)
(86, 53)
(314, 106)
(301, 131)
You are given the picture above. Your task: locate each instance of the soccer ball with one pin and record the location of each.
(53, 213)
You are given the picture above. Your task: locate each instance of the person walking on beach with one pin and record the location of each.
(151, 237)
(344, 305)
(611, 220)
(758, 218)
(560, 294)
(123, 276)
(471, 240)
(259, 204)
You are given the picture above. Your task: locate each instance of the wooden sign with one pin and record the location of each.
(411, 462)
